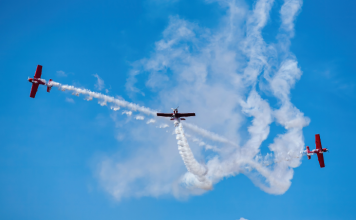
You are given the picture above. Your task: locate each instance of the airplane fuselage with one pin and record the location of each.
(37, 81)
(177, 117)
(316, 151)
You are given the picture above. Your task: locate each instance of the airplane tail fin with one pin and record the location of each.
(308, 150)
(49, 87)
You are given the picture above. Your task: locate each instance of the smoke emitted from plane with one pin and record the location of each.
(104, 98)
(190, 162)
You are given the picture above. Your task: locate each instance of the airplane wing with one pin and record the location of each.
(317, 141)
(34, 90)
(321, 160)
(185, 114)
(165, 114)
(38, 72)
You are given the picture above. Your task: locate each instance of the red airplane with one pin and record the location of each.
(319, 151)
(36, 81)
(176, 116)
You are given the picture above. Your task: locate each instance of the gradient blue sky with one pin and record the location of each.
(50, 148)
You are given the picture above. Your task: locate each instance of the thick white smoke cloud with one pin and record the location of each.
(227, 76)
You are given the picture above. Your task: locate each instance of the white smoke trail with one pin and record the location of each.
(105, 98)
(122, 103)
(190, 162)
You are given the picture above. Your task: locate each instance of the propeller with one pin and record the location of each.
(175, 108)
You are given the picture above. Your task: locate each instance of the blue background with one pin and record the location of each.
(49, 147)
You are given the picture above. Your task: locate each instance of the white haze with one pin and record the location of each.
(222, 75)
(100, 84)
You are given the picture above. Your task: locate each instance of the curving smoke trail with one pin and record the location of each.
(190, 162)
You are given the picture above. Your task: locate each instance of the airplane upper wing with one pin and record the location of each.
(34, 90)
(321, 160)
(165, 114)
(38, 72)
(185, 114)
(317, 141)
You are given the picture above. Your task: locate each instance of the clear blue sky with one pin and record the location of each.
(54, 148)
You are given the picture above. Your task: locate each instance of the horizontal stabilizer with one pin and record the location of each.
(49, 87)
